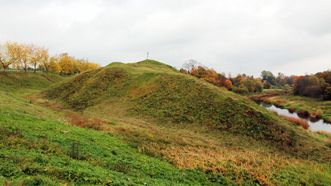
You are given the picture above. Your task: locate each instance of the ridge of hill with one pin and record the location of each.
(146, 123)
(157, 91)
(38, 147)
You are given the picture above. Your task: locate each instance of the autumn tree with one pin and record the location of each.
(23, 56)
(210, 75)
(53, 65)
(84, 65)
(66, 64)
(70, 65)
(318, 85)
(327, 93)
(20, 54)
(247, 84)
(269, 77)
(4, 57)
(228, 84)
(39, 56)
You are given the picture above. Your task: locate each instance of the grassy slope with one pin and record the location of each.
(37, 147)
(160, 111)
(22, 83)
(156, 90)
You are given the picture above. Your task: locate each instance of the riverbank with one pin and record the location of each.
(307, 123)
(304, 106)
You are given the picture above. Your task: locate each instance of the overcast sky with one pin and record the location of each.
(291, 36)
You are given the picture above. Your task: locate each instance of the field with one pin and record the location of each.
(146, 124)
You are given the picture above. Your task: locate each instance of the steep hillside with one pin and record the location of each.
(38, 147)
(146, 124)
(193, 124)
(156, 91)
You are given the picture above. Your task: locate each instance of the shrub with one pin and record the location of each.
(120, 167)
(86, 122)
(37, 180)
(313, 91)
(75, 151)
(327, 93)
(240, 90)
(8, 169)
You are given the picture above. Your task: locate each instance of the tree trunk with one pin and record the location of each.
(25, 67)
(35, 67)
(4, 66)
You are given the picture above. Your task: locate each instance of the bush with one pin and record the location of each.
(327, 93)
(75, 151)
(249, 85)
(240, 90)
(86, 122)
(120, 167)
(37, 180)
(8, 169)
(312, 91)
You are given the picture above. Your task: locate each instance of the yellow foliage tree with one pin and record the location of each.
(39, 56)
(53, 66)
(20, 54)
(4, 57)
(66, 64)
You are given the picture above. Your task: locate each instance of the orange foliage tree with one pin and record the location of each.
(209, 75)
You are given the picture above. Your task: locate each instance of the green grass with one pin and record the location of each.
(38, 148)
(152, 106)
(161, 128)
(22, 83)
(158, 91)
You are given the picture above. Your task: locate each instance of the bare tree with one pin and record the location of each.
(190, 64)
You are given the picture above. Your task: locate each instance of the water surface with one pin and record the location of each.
(314, 125)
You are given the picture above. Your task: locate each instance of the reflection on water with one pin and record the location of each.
(314, 125)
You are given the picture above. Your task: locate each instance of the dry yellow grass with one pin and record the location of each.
(297, 121)
(196, 146)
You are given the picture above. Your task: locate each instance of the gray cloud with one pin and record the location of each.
(228, 35)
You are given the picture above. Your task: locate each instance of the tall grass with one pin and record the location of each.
(296, 121)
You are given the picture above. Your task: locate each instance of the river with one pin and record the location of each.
(314, 125)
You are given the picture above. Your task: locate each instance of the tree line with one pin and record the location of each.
(25, 57)
(242, 83)
(317, 85)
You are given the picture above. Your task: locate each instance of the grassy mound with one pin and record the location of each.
(157, 127)
(37, 148)
(155, 90)
(22, 84)
(19, 80)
